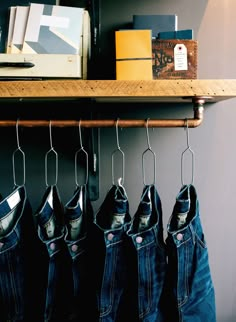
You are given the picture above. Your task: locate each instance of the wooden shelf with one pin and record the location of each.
(198, 92)
(114, 90)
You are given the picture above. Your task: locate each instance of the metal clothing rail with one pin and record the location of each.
(198, 109)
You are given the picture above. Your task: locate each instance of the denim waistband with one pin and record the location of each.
(114, 212)
(78, 218)
(12, 206)
(49, 217)
(186, 205)
(146, 225)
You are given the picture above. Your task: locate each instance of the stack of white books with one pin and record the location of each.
(47, 41)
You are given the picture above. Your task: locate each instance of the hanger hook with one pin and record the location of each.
(117, 134)
(148, 140)
(47, 155)
(76, 158)
(17, 134)
(118, 149)
(18, 149)
(186, 150)
(187, 132)
(50, 134)
(80, 135)
(149, 149)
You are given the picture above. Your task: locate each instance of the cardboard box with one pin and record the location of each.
(133, 55)
(174, 59)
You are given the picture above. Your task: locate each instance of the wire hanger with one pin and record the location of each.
(51, 151)
(188, 149)
(149, 149)
(76, 158)
(118, 150)
(18, 150)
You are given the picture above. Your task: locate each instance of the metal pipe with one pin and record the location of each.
(198, 109)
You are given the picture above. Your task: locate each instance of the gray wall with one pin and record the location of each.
(213, 142)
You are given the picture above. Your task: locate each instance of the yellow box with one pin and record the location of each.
(133, 54)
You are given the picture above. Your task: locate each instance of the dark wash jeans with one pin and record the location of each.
(18, 287)
(78, 220)
(56, 281)
(109, 262)
(190, 293)
(147, 261)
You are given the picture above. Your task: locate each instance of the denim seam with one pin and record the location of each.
(148, 309)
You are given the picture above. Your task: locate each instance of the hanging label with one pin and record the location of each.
(180, 57)
(50, 227)
(13, 200)
(50, 199)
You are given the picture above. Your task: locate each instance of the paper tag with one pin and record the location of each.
(13, 200)
(50, 227)
(144, 222)
(117, 220)
(181, 219)
(75, 228)
(180, 57)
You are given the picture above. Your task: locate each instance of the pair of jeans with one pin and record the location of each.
(189, 288)
(109, 253)
(18, 297)
(78, 220)
(146, 260)
(56, 281)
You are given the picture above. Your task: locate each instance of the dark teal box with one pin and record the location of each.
(179, 34)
